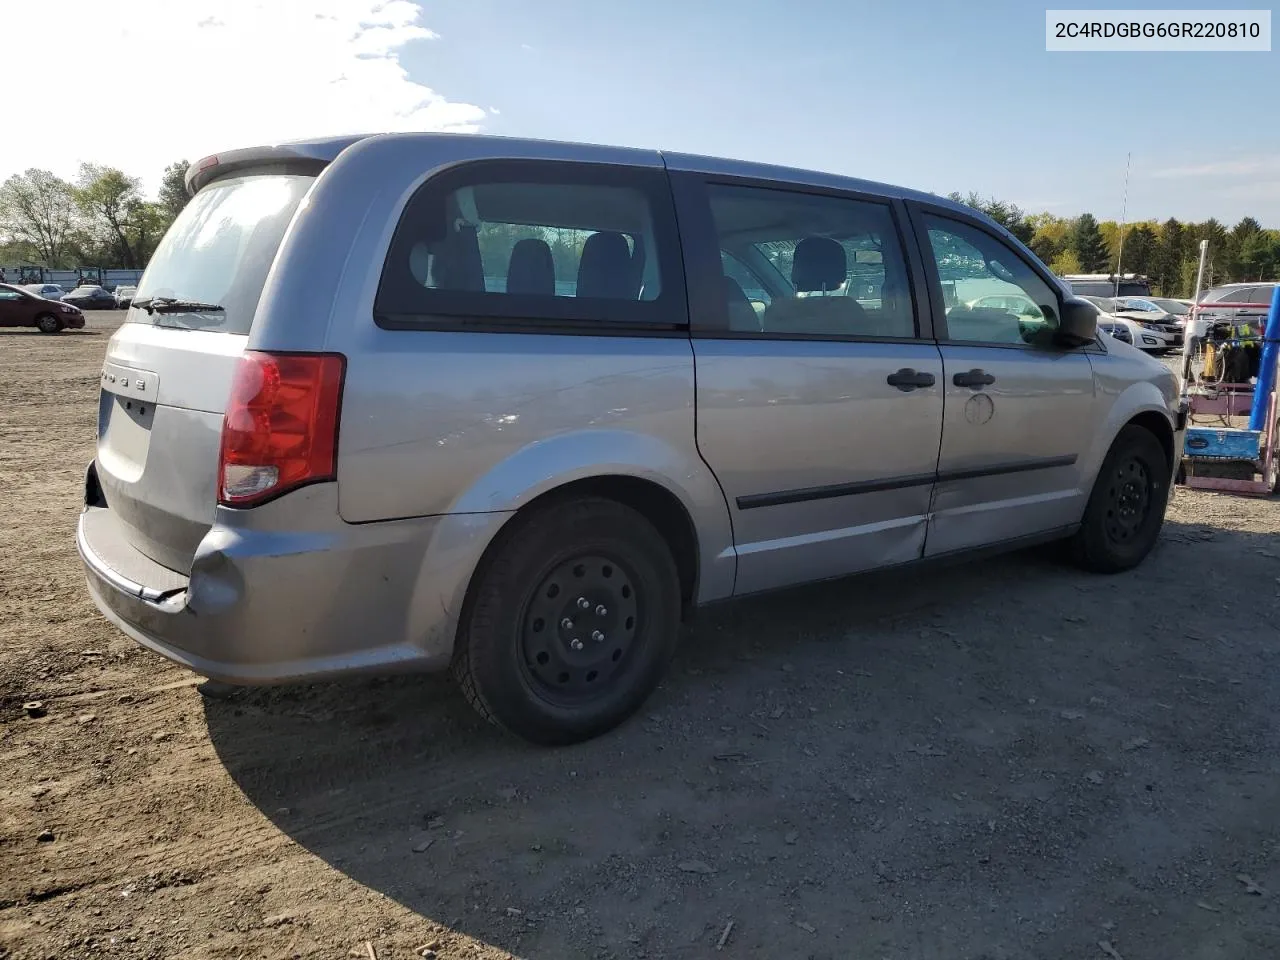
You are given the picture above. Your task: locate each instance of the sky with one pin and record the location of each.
(938, 96)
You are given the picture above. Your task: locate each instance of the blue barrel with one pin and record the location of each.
(1267, 366)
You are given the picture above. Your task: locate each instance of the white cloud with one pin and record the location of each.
(158, 81)
(1237, 167)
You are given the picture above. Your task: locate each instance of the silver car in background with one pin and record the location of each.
(513, 408)
(1252, 315)
(47, 291)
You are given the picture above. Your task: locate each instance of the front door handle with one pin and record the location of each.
(974, 378)
(907, 379)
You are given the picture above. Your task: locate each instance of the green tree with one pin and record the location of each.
(1139, 252)
(1049, 236)
(1217, 266)
(38, 214)
(1066, 262)
(1260, 255)
(1087, 244)
(148, 221)
(1169, 255)
(108, 198)
(1008, 215)
(173, 188)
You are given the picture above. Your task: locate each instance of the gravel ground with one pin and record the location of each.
(1005, 759)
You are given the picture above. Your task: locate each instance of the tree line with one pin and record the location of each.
(1168, 252)
(100, 218)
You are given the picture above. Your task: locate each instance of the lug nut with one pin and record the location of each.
(601, 610)
(597, 636)
(584, 603)
(575, 643)
(566, 623)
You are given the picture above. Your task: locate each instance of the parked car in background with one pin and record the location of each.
(1016, 304)
(1111, 325)
(1156, 322)
(1119, 328)
(1161, 309)
(20, 307)
(1254, 316)
(49, 291)
(90, 298)
(401, 487)
(1143, 334)
(124, 296)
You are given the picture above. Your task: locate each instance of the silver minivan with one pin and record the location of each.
(515, 408)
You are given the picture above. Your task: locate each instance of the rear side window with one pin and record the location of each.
(836, 263)
(220, 249)
(534, 243)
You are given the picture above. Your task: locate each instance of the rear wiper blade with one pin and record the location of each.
(173, 305)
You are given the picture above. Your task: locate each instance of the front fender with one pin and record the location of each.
(1123, 403)
(546, 465)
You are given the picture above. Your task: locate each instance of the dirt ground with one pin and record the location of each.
(1005, 759)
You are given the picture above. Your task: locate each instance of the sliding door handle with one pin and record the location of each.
(974, 378)
(907, 379)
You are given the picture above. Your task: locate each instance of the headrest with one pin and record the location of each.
(818, 264)
(605, 268)
(532, 269)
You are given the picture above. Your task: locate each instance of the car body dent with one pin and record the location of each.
(544, 466)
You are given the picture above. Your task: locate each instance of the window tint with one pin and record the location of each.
(535, 242)
(1260, 295)
(837, 265)
(991, 294)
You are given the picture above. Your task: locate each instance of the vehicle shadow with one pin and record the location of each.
(814, 759)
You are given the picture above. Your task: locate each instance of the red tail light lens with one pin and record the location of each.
(280, 429)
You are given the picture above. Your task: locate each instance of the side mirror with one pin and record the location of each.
(1079, 324)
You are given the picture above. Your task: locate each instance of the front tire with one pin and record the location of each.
(570, 623)
(48, 323)
(1126, 508)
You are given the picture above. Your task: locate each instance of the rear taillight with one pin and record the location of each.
(280, 430)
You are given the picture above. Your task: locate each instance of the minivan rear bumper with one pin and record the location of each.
(322, 599)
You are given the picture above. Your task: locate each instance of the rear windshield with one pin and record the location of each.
(219, 250)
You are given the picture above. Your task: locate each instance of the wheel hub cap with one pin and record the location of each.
(1128, 501)
(578, 628)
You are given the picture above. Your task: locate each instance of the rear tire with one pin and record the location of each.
(571, 622)
(48, 323)
(1126, 508)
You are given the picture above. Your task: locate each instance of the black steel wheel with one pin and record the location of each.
(1128, 500)
(579, 626)
(1126, 508)
(570, 621)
